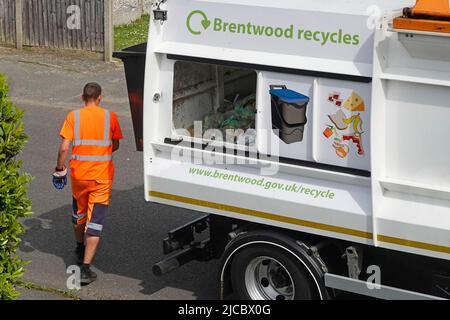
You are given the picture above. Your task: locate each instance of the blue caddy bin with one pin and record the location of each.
(288, 113)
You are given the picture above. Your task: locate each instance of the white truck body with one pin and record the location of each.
(394, 194)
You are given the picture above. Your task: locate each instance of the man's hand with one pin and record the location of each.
(60, 178)
(60, 175)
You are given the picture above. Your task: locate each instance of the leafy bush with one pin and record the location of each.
(14, 202)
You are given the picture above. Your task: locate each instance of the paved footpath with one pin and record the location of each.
(47, 84)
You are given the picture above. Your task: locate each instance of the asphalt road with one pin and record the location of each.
(47, 85)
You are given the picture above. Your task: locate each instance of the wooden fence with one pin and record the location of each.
(7, 21)
(71, 24)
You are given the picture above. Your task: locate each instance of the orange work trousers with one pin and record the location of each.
(90, 203)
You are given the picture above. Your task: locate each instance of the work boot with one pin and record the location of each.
(79, 253)
(87, 275)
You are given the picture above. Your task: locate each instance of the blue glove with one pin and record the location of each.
(60, 179)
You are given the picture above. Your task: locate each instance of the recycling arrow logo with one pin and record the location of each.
(205, 22)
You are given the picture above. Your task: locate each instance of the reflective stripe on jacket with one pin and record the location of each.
(86, 147)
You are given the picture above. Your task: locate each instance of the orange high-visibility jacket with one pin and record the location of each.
(91, 131)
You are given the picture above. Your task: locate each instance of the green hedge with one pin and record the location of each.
(14, 202)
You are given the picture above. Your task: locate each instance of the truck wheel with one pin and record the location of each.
(264, 272)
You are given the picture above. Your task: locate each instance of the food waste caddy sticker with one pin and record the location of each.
(197, 23)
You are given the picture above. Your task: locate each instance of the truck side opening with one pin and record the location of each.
(216, 102)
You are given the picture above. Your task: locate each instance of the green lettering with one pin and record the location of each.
(225, 24)
(333, 37)
(258, 30)
(307, 191)
(300, 31)
(316, 36)
(325, 36)
(347, 39)
(217, 24)
(232, 27)
(269, 31)
(331, 195)
(356, 39)
(340, 36)
(308, 35)
(279, 32)
(289, 32)
(241, 28)
(249, 27)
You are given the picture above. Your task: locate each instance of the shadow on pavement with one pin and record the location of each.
(131, 244)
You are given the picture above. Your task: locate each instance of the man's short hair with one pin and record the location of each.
(91, 91)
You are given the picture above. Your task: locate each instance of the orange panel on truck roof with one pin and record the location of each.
(426, 15)
(432, 8)
(422, 25)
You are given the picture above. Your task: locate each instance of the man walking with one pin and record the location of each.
(94, 133)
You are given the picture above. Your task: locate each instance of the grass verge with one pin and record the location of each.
(70, 294)
(130, 34)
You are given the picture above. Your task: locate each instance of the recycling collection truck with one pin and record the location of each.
(313, 135)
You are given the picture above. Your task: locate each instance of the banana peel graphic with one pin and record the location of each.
(357, 123)
(341, 122)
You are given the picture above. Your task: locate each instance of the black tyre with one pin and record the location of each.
(267, 272)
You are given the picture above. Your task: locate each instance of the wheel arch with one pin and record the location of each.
(294, 247)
